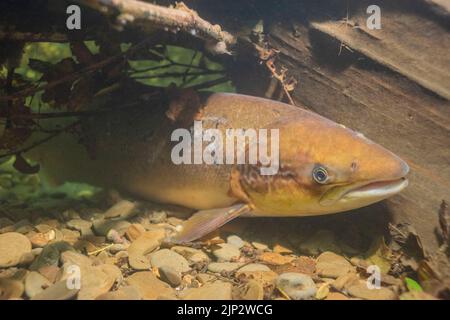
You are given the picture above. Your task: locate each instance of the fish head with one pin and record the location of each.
(324, 168)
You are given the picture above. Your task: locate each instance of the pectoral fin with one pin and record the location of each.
(206, 221)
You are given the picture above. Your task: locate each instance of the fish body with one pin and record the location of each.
(323, 167)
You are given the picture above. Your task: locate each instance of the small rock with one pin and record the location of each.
(235, 241)
(361, 290)
(158, 217)
(219, 267)
(166, 257)
(35, 283)
(254, 267)
(80, 225)
(58, 291)
(124, 293)
(50, 255)
(145, 244)
(10, 289)
(267, 279)
(323, 291)
(336, 296)
(278, 248)
(13, 249)
(75, 258)
(276, 259)
(192, 255)
(117, 247)
(226, 252)
(331, 265)
(252, 290)
(97, 280)
(123, 209)
(217, 290)
(39, 240)
(260, 246)
(344, 281)
(302, 264)
(70, 236)
(170, 275)
(114, 236)
(149, 286)
(297, 286)
(102, 226)
(134, 231)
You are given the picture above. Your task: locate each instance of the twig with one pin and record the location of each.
(33, 37)
(177, 74)
(38, 143)
(209, 84)
(180, 18)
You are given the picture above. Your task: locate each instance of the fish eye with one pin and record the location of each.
(320, 175)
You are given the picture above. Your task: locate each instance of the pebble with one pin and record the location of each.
(58, 291)
(278, 248)
(267, 279)
(158, 217)
(123, 209)
(13, 249)
(361, 290)
(345, 280)
(35, 283)
(219, 267)
(302, 264)
(226, 252)
(10, 289)
(97, 280)
(75, 258)
(166, 257)
(218, 290)
(260, 246)
(235, 241)
(296, 285)
(39, 240)
(83, 226)
(254, 267)
(70, 236)
(50, 255)
(192, 255)
(103, 226)
(145, 244)
(331, 265)
(252, 290)
(170, 275)
(134, 231)
(276, 259)
(149, 286)
(336, 296)
(123, 293)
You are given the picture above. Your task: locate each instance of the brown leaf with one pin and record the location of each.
(21, 165)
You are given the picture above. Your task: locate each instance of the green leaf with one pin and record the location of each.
(412, 285)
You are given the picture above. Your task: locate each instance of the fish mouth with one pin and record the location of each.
(376, 190)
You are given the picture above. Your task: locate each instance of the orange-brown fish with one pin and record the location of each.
(323, 168)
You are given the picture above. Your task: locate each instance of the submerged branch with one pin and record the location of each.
(180, 18)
